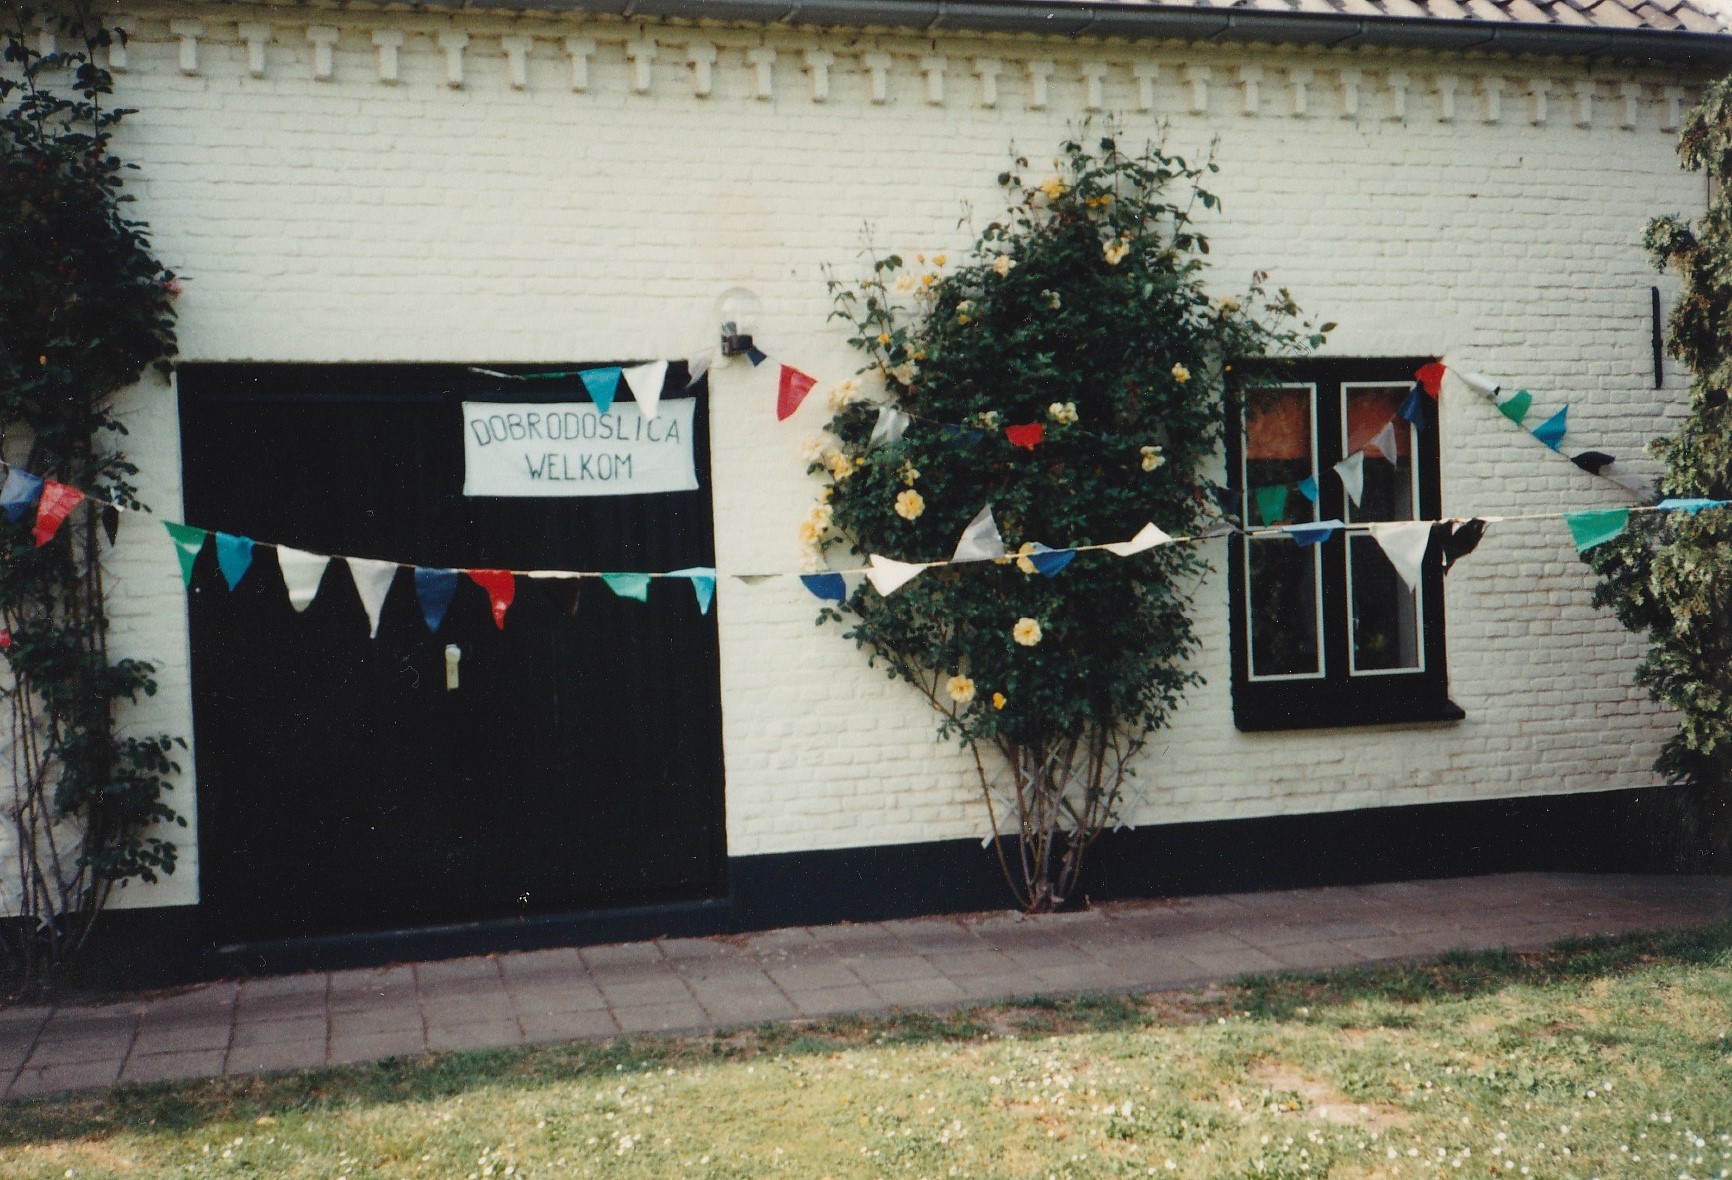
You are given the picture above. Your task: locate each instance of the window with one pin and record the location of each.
(1328, 634)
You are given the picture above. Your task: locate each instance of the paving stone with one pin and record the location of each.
(961, 965)
(939, 935)
(894, 968)
(376, 1046)
(579, 995)
(51, 1077)
(685, 950)
(480, 1034)
(681, 1017)
(301, 1030)
(172, 1067)
(638, 989)
(307, 984)
(275, 1056)
(917, 993)
(1230, 964)
(367, 986)
(584, 1024)
(1407, 946)
(835, 1001)
(754, 1006)
(181, 1034)
(808, 974)
(376, 1021)
(1283, 933)
(457, 971)
(1010, 985)
(1078, 977)
(205, 998)
(621, 954)
(467, 1009)
(1312, 956)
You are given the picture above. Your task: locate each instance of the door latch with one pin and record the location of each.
(453, 656)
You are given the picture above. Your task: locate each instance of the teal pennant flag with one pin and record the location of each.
(187, 543)
(629, 585)
(1271, 502)
(1551, 431)
(602, 384)
(1516, 407)
(234, 557)
(703, 579)
(1588, 529)
(1308, 488)
(1692, 505)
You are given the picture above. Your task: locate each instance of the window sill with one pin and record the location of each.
(1340, 715)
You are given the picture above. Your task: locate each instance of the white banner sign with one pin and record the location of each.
(573, 449)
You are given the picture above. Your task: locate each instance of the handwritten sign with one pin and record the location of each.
(573, 449)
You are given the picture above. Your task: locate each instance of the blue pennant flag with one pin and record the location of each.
(20, 493)
(703, 584)
(1692, 505)
(1312, 534)
(1308, 488)
(756, 356)
(956, 436)
(1551, 431)
(1413, 409)
(434, 590)
(1050, 562)
(602, 384)
(234, 557)
(829, 587)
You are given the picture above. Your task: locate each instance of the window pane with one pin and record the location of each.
(1279, 452)
(1283, 600)
(1385, 611)
(1388, 491)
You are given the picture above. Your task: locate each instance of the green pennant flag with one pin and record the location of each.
(629, 585)
(187, 543)
(1271, 502)
(1516, 408)
(1596, 528)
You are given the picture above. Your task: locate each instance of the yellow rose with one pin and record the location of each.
(910, 504)
(1003, 265)
(940, 259)
(1181, 374)
(905, 283)
(961, 689)
(909, 474)
(1026, 632)
(1152, 458)
(1022, 560)
(884, 338)
(844, 394)
(1228, 304)
(1115, 253)
(1064, 413)
(1054, 187)
(998, 700)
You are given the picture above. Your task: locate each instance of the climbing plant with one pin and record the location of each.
(1072, 374)
(85, 309)
(1670, 575)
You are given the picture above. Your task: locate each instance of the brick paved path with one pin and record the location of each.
(697, 984)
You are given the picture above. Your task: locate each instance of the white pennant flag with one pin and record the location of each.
(1147, 538)
(372, 582)
(302, 573)
(646, 385)
(889, 427)
(1404, 543)
(1351, 471)
(1385, 442)
(1479, 383)
(980, 540)
(887, 576)
(698, 366)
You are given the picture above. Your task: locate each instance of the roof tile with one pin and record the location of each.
(1697, 21)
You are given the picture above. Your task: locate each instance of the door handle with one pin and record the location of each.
(453, 656)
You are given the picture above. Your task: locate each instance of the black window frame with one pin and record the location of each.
(1337, 697)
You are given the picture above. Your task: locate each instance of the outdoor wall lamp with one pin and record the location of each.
(737, 311)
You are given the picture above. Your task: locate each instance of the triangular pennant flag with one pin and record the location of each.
(756, 579)
(1147, 538)
(646, 383)
(57, 500)
(373, 580)
(1313, 534)
(1404, 543)
(1027, 436)
(791, 389)
(1692, 505)
(629, 585)
(111, 522)
(1460, 539)
(1413, 408)
(1592, 462)
(1351, 472)
(302, 574)
(828, 587)
(703, 579)
(756, 355)
(1230, 501)
(1551, 431)
(1271, 502)
(698, 366)
(1588, 529)
(1050, 562)
(434, 590)
(889, 576)
(1385, 444)
(1430, 378)
(234, 557)
(1478, 382)
(1308, 488)
(1515, 407)
(19, 494)
(187, 543)
(889, 427)
(958, 437)
(563, 593)
(980, 541)
(603, 386)
(501, 587)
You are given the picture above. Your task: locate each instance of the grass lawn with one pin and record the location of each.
(1609, 1058)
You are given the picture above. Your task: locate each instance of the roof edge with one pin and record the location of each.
(1071, 18)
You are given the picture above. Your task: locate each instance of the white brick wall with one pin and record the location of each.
(521, 218)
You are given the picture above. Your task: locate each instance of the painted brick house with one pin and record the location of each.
(369, 203)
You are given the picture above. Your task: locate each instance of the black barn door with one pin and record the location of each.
(343, 785)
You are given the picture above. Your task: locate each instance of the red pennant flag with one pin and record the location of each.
(58, 499)
(1027, 437)
(1430, 378)
(501, 587)
(791, 391)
